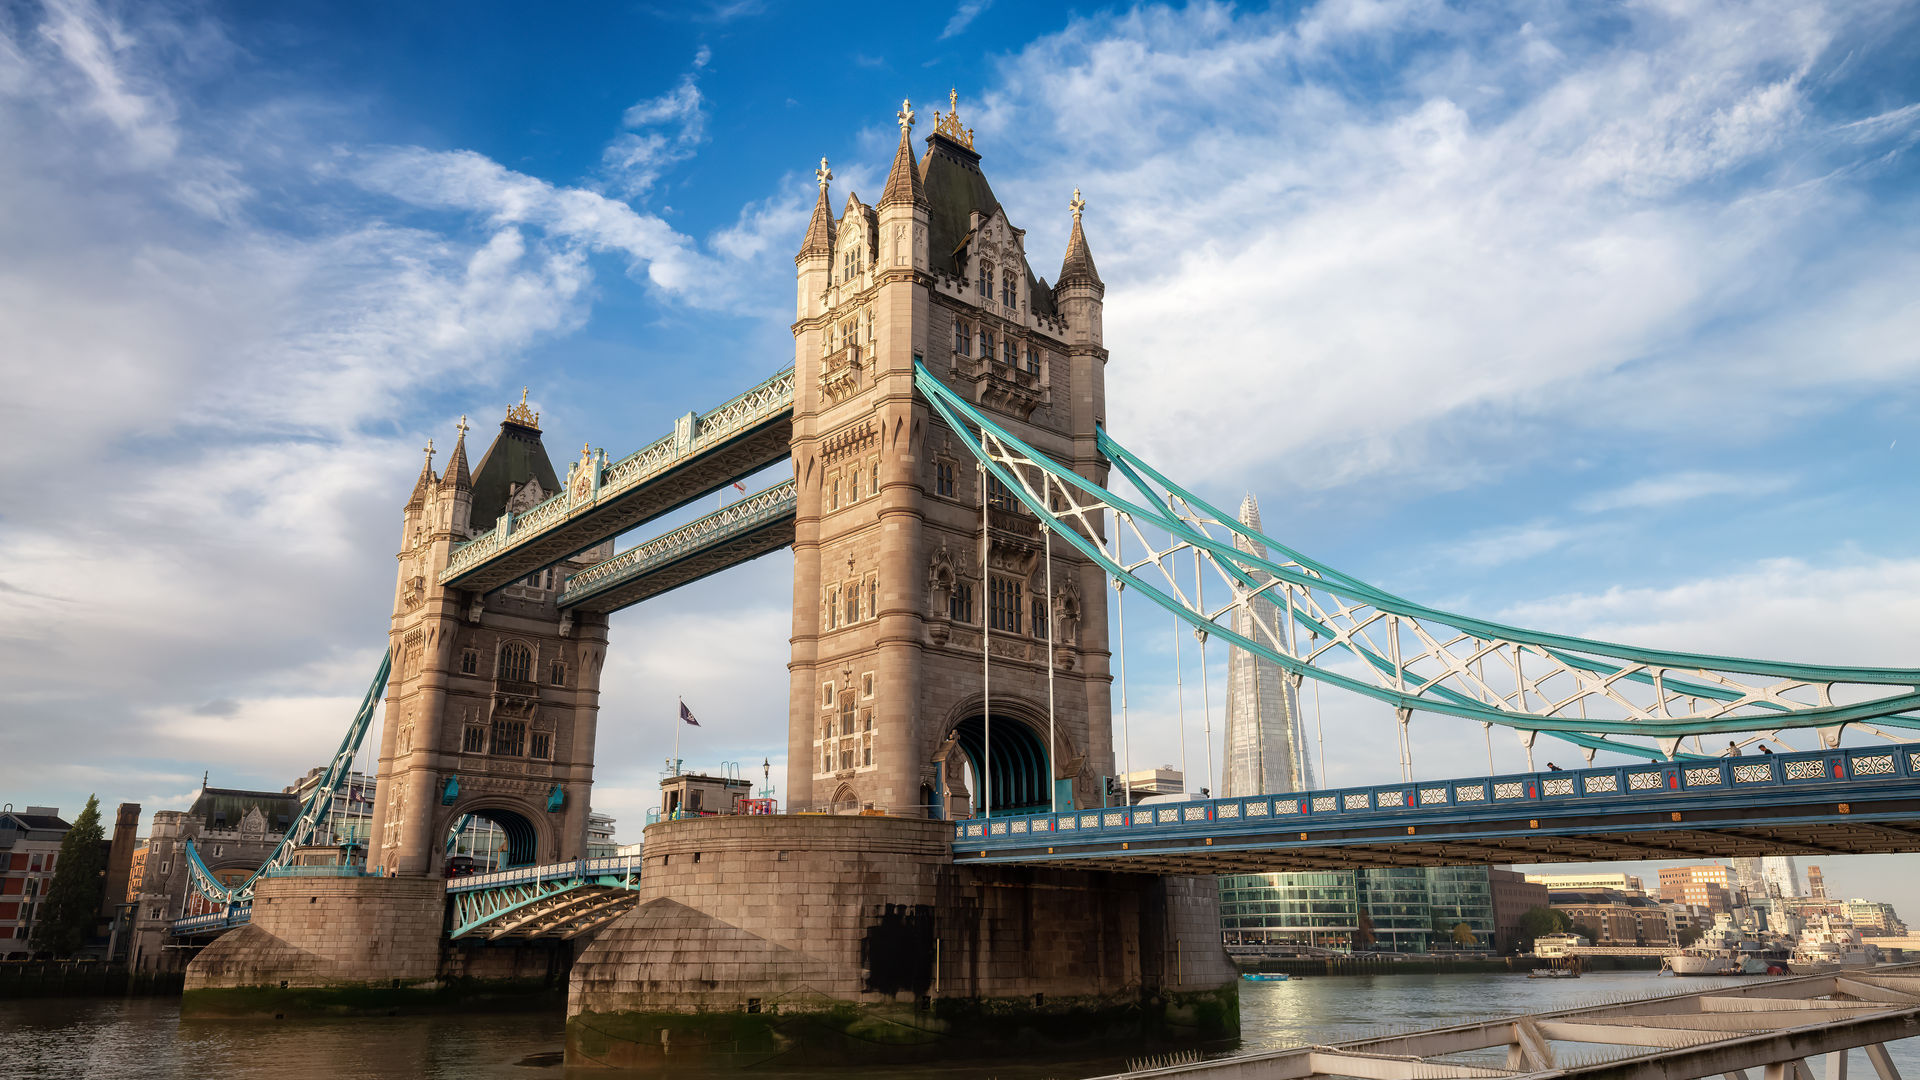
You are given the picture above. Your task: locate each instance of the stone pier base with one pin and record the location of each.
(321, 946)
(813, 939)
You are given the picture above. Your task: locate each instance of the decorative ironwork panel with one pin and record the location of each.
(1020, 826)
(1193, 813)
(1259, 809)
(1388, 800)
(1871, 764)
(1325, 804)
(1089, 821)
(1559, 785)
(998, 828)
(1280, 806)
(1229, 810)
(1169, 815)
(1067, 821)
(1118, 818)
(1703, 777)
(1433, 796)
(1354, 802)
(1759, 772)
(1806, 770)
(1594, 785)
(1511, 789)
(1470, 793)
(1644, 781)
(1143, 817)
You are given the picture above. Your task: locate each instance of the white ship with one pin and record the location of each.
(1831, 948)
(1722, 950)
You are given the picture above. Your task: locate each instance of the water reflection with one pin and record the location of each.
(145, 1038)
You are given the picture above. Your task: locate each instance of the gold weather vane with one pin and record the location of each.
(823, 174)
(948, 123)
(905, 115)
(522, 415)
(1078, 204)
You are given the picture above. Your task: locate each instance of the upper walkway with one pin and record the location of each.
(1851, 800)
(704, 453)
(754, 526)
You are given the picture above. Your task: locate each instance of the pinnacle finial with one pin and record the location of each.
(462, 425)
(823, 174)
(905, 115)
(428, 449)
(948, 123)
(522, 415)
(1077, 204)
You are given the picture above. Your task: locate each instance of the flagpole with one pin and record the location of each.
(678, 723)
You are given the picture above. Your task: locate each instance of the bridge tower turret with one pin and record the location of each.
(493, 701)
(895, 578)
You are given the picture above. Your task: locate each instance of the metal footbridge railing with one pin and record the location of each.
(1851, 800)
(559, 900)
(600, 500)
(754, 526)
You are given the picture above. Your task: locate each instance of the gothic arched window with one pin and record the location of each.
(516, 663)
(960, 337)
(985, 282)
(1006, 287)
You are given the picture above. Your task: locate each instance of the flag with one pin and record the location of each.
(687, 715)
(739, 487)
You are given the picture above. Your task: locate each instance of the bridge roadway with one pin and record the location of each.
(1846, 801)
(704, 453)
(1772, 1024)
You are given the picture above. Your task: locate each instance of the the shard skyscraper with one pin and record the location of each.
(1266, 744)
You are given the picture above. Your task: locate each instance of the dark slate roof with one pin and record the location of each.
(515, 457)
(230, 805)
(26, 822)
(955, 187)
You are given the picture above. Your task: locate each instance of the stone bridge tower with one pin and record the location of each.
(894, 582)
(493, 700)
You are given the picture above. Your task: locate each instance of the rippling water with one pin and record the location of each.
(144, 1038)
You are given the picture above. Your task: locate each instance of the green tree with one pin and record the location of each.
(1540, 921)
(72, 905)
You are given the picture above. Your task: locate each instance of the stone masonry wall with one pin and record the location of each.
(739, 911)
(330, 932)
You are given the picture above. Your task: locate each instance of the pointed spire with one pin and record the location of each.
(1250, 517)
(1078, 268)
(457, 475)
(819, 239)
(903, 182)
(426, 482)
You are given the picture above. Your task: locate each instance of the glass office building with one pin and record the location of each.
(1408, 909)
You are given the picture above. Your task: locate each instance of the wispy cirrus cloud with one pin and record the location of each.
(1682, 487)
(963, 17)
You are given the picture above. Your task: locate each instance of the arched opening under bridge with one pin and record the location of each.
(511, 841)
(1017, 768)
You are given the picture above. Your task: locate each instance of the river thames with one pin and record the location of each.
(144, 1039)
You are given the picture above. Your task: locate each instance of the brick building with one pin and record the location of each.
(1514, 894)
(29, 849)
(1616, 918)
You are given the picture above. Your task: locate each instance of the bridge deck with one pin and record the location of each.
(754, 526)
(1852, 800)
(1774, 1024)
(705, 453)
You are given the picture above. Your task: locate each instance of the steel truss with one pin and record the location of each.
(1335, 628)
(561, 901)
(313, 813)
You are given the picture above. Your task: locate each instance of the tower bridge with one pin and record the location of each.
(958, 531)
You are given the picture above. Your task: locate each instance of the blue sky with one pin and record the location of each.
(1599, 318)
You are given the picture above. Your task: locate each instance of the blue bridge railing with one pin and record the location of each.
(239, 915)
(1852, 768)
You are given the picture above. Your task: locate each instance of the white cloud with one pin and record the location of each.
(1501, 546)
(963, 17)
(1527, 229)
(638, 158)
(1681, 487)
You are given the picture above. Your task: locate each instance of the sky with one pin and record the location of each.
(1597, 318)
